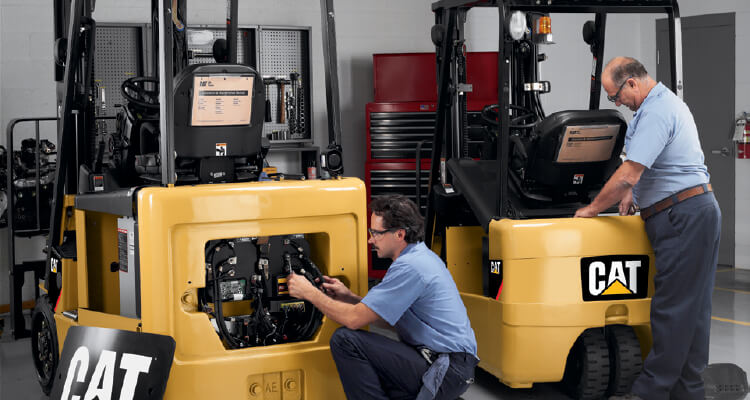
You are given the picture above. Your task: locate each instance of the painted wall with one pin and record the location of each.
(363, 28)
(27, 89)
(742, 100)
(569, 63)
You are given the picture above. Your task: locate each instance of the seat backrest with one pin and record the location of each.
(218, 111)
(576, 150)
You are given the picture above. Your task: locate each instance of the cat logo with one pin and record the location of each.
(614, 277)
(102, 363)
(53, 264)
(493, 282)
(495, 267)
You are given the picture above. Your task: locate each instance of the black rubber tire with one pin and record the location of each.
(587, 368)
(624, 359)
(44, 344)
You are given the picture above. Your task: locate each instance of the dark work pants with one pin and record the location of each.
(372, 366)
(685, 239)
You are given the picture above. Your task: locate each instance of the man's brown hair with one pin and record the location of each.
(398, 211)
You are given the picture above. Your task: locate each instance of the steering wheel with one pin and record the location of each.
(489, 115)
(135, 92)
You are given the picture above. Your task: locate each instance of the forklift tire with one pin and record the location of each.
(587, 368)
(44, 345)
(624, 359)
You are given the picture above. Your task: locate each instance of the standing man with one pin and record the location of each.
(665, 176)
(436, 356)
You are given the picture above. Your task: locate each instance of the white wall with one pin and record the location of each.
(363, 27)
(27, 80)
(742, 99)
(27, 89)
(569, 63)
(569, 66)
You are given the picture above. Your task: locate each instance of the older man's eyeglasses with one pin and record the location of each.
(617, 95)
(376, 234)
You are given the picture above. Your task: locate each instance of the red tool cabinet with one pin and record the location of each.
(403, 114)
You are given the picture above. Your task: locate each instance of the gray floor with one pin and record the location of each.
(730, 334)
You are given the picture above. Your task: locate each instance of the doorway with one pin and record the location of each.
(708, 48)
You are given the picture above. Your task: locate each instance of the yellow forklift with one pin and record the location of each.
(178, 235)
(551, 298)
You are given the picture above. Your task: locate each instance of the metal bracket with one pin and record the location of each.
(462, 88)
(543, 87)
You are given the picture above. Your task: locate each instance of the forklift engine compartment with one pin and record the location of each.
(256, 269)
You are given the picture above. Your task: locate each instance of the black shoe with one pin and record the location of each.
(629, 396)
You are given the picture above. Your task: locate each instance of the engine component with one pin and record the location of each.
(256, 269)
(26, 175)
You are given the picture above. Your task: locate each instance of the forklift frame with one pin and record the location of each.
(75, 40)
(451, 14)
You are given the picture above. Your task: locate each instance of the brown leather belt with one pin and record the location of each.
(670, 201)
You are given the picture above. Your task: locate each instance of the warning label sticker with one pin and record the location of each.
(587, 143)
(221, 149)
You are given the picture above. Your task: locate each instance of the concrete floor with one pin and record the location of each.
(730, 343)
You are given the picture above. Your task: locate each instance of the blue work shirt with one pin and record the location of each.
(663, 138)
(419, 298)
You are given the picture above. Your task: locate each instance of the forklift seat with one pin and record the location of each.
(219, 110)
(218, 124)
(572, 151)
(575, 150)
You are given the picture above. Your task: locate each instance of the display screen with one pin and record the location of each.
(220, 100)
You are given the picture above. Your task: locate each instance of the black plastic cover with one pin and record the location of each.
(542, 166)
(208, 141)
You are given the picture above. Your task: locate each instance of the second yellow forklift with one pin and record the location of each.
(551, 298)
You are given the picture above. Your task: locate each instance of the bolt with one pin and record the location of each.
(290, 385)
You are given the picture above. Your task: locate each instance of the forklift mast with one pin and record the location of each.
(74, 61)
(448, 36)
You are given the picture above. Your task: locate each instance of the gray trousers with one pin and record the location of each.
(685, 239)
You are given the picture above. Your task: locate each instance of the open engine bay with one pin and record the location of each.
(246, 289)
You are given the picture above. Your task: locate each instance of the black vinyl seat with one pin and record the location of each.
(575, 150)
(570, 152)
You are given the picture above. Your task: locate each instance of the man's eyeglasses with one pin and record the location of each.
(617, 95)
(376, 233)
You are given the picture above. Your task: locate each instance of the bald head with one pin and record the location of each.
(626, 82)
(621, 68)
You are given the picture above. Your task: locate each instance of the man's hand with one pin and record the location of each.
(336, 289)
(618, 187)
(586, 212)
(353, 315)
(626, 204)
(299, 286)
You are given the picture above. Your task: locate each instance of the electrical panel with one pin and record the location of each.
(253, 272)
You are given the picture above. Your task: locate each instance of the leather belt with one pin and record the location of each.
(670, 201)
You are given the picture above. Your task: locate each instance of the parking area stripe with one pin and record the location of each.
(731, 321)
(731, 290)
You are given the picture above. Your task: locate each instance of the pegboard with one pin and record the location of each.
(273, 51)
(201, 39)
(282, 51)
(118, 56)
